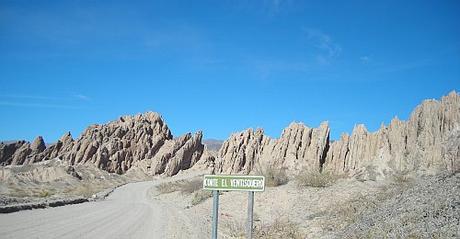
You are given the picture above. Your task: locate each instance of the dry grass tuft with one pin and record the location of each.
(184, 186)
(279, 229)
(401, 177)
(44, 193)
(15, 191)
(352, 210)
(314, 178)
(236, 229)
(85, 189)
(200, 196)
(167, 187)
(273, 176)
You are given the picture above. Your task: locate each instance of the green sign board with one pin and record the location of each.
(234, 183)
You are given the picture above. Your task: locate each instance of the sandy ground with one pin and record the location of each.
(129, 212)
(306, 208)
(138, 210)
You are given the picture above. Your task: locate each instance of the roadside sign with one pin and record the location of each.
(246, 183)
(234, 183)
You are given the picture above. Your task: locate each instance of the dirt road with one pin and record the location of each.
(129, 212)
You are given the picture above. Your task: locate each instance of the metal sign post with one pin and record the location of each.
(250, 214)
(247, 183)
(215, 213)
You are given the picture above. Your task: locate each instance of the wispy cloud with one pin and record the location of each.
(43, 101)
(365, 59)
(268, 8)
(38, 105)
(327, 48)
(264, 69)
(31, 97)
(273, 7)
(407, 65)
(82, 97)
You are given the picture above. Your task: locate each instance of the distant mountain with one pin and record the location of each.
(213, 144)
(9, 141)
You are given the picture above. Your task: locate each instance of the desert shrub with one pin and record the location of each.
(314, 178)
(273, 176)
(44, 193)
(15, 191)
(279, 229)
(167, 187)
(401, 177)
(349, 212)
(235, 229)
(191, 186)
(85, 190)
(426, 209)
(184, 186)
(200, 195)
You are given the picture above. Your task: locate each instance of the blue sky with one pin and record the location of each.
(222, 66)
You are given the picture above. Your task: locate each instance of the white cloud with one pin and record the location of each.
(327, 47)
(365, 59)
(43, 101)
(37, 105)
(30, 97)
(82, 97)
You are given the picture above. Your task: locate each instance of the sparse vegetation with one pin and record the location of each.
(85, 190)
(422, 209)
(235, 229)
(401, 177)
(15, 191)
(273, 176)
(193, 186)
(44, 193)
(279, 229)
(200, 195)
(167, 187)
(314, 178)
(184, 186)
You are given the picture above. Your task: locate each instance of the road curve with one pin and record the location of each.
(126, 213)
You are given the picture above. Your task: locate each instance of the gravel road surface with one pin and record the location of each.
(128, 212)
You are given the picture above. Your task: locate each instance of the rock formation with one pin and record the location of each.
(298, 147)
(416, 145)
(115, 147)
(427, 142)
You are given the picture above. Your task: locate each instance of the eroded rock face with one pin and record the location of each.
(425, 143)
(415, 145)
(8, 152)
(298, 147)
(21, 152)
(115, 147)
(451, 151)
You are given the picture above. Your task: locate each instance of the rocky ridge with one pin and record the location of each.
(424, 143)
(298, 147)
(115, 147)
